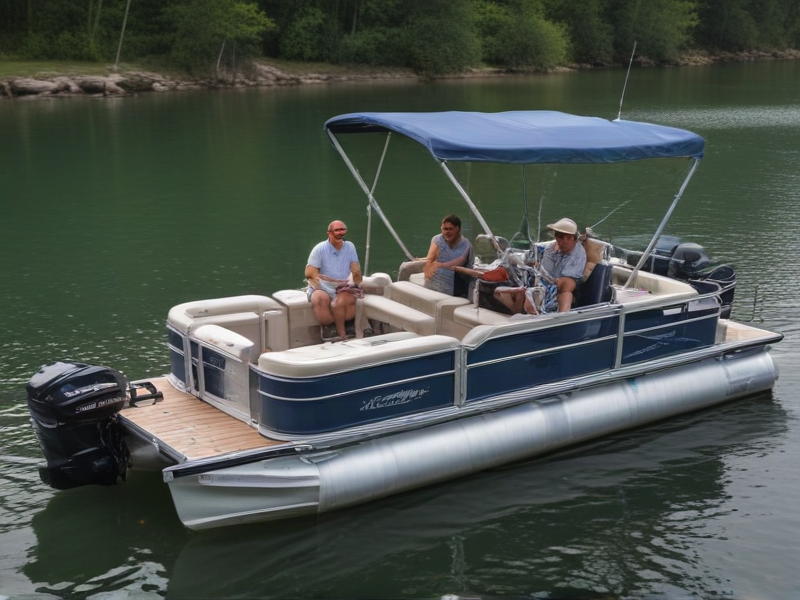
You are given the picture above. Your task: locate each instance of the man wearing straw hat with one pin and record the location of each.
(564, 261)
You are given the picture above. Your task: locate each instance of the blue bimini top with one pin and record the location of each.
(527, 136)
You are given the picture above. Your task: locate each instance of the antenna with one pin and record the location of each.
(619, 115)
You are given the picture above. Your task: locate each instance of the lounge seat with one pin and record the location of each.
(433, 303)
(260, 319)
(395, 314)
(323, 359)
(472, 316)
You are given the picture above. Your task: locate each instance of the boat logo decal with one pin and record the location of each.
(215, 361)
(99, 404)
(94, 387)
(664, 339)
(658, 341)
(395, 399)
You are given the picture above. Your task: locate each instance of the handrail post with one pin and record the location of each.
(661, 226)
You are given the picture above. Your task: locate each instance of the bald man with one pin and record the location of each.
(332, 263)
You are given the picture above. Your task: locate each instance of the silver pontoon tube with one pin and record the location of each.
(663, 224)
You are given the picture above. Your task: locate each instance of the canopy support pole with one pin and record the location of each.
(372, 202)
(369, 206)
(635, 272)
(469, 202)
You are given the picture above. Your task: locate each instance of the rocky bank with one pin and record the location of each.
(132, 82)
(115, 84)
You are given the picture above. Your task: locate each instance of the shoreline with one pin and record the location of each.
(260, 74)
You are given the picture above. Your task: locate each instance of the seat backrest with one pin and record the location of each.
(596, 251)
(596, 288)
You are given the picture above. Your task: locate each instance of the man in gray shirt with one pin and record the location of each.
(564, 261)
(562, 268)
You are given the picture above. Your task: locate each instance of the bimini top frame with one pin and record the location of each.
(522, 137)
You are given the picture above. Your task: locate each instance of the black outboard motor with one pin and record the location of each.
(73, 409)
(690, 263)
(687, 261)
(659, 260)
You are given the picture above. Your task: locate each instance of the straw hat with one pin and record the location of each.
(564, 226)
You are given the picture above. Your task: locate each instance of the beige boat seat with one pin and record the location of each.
(395, 314)
(260, 319)
(303, 327)
(472, 316)
(324, 359)
(433, 303)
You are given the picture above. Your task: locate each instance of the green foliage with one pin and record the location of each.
(206, 30)
(661, 28)
(310, 36)
(373, 46)
(440, 37)
(431, 36)
(517, 35)
(591, 38)
(741, 25)
(65, 31)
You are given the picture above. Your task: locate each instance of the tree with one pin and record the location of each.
(203, 29)
(517, 35)
(591, 38)
(311, 36)
(661, 28)
(440, 36)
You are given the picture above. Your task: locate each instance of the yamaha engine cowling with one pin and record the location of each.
(687, 261)
(73, 409)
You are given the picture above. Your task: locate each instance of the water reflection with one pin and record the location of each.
(97, 539)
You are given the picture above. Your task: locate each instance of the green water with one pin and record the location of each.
(112, 211)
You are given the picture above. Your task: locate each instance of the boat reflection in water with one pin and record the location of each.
(96, 539)
(619, 492)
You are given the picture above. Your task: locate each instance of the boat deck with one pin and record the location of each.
(191, 427)
(737, 332)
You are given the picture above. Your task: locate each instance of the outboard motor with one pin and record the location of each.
(687, 261)
(73, 409)
(659, 260)
(691, 264)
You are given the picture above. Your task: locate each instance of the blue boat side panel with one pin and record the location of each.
(214, 372)
(175, 338)
(177, 365)
(341, 383)
(519, 373)
(177, 360)
(308, 405)
(668, 340)
(544, 339)
(357, 408)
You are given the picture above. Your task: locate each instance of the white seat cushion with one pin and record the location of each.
(472, 316)
(398, 315)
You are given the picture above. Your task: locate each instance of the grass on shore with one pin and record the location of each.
(33, 68)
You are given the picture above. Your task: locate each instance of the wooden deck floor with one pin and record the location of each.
(192, 427)
(736, 332)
